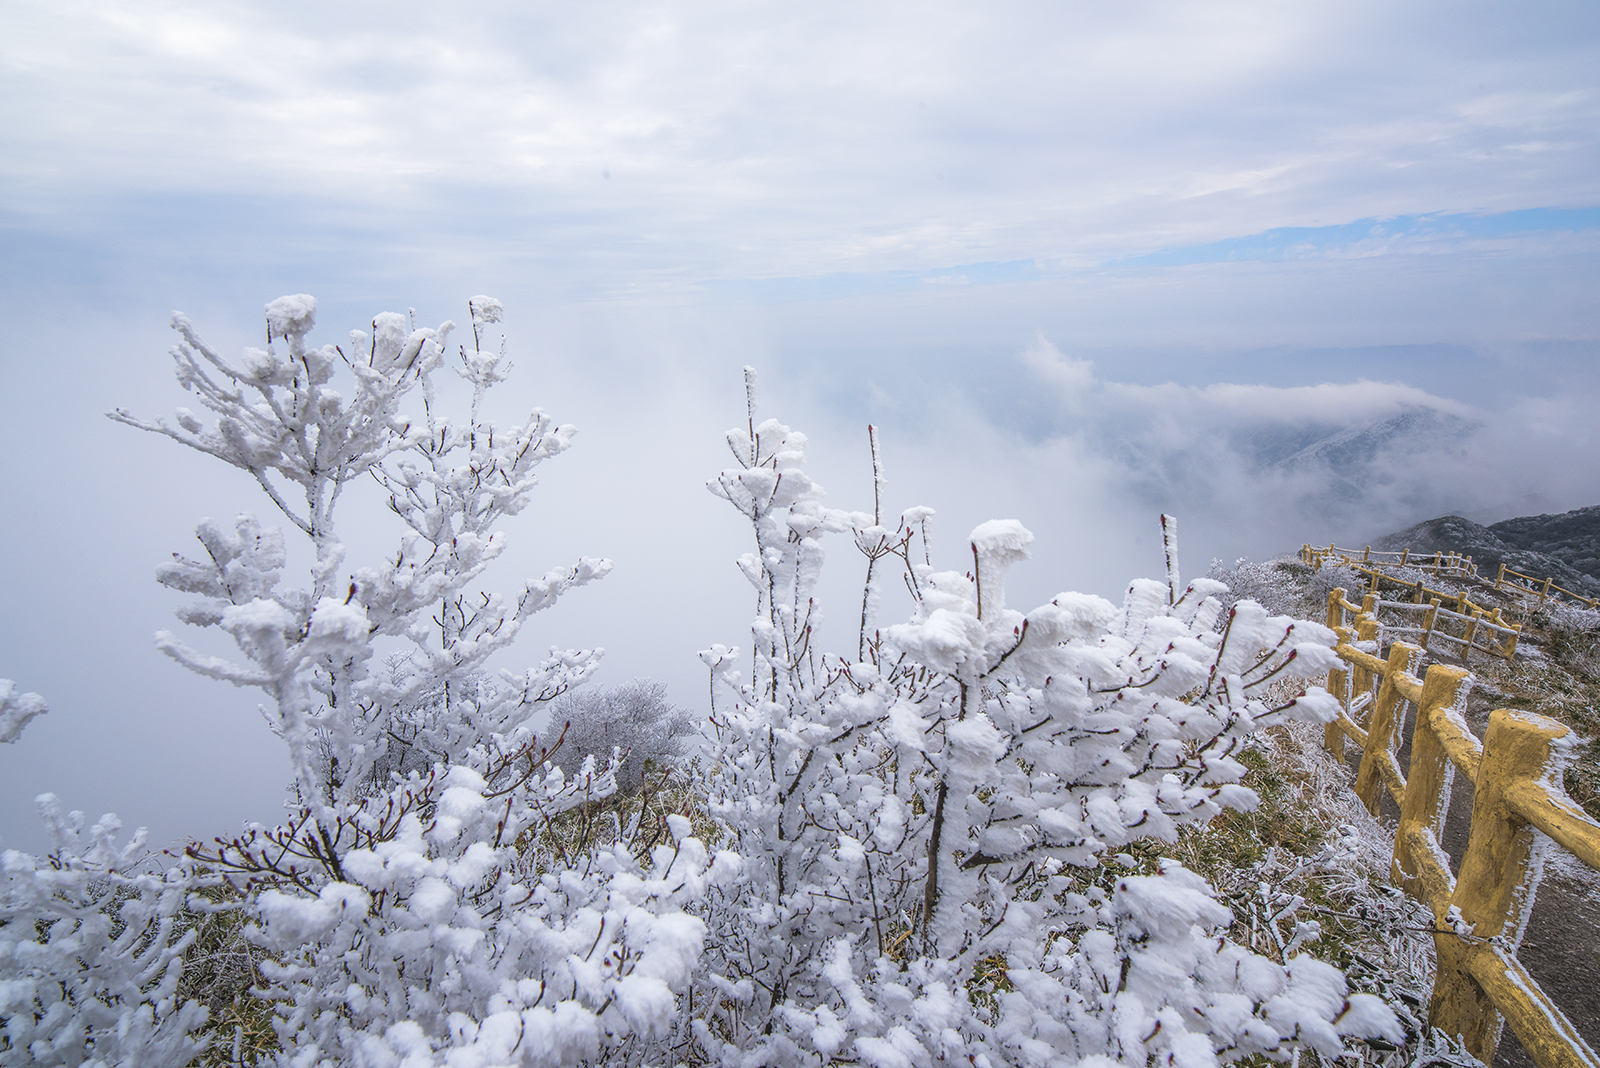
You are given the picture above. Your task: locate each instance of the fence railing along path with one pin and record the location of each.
(1532, 587)
(1515, 771)
(1465, 627)
(1455, 565)
(1451, 565)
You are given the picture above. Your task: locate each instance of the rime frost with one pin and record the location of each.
(416, 903)
(17, 709)
(909, 814)
(91, 952)
(902, 821)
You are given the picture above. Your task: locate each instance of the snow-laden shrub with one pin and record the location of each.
(446, 938)
(910, 815)
(407, 904)
(279, 418)
(1572, 634)
(91, 952)
(635, 717)
(1284, 586)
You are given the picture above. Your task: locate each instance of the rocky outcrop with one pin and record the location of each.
(1571, 537)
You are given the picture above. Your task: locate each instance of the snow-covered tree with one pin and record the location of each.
(914, 813)
(635, 717)
(411, 906)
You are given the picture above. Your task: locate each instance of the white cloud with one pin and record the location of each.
(1224, 403)
(749, 140)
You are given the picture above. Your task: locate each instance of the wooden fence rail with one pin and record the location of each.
(1481, 627)
(1478, 629)
(1514, 771)
(1440, 563)
(1507, 579)
(1372, 562)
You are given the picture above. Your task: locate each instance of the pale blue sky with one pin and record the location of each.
(1082, 262)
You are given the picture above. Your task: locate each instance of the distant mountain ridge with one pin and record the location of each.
(1565, 547)
(1294, 445)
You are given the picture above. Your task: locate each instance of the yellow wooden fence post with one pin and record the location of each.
(1382, 722)
(1405, 554)
(1427, 789)
(1338, 685)
(1471, 634)
(1428, 619)
(1500, 577)
(1338, 678)
(1495, 890)
(1546, 591)
(1361, 677)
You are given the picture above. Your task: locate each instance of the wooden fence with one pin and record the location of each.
(1453, 565)
(1439, 563)
(1475, 626)
(1507, 579)
(1514, 770)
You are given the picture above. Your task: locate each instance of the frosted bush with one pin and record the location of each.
(635, 717)
(912, 813)
(91, 952)
(17, 709)
(1573, 617)
(407, 903)
(1284, 586)
(1572, 635)
(279, 419)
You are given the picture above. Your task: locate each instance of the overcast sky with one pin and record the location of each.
(1296, 272)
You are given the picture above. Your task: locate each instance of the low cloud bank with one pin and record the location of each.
(1277, 465)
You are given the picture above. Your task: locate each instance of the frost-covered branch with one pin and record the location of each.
(913, 814)
(91, 951)
(17, 710)
(415, 902)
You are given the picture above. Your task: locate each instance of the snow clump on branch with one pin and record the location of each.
(411, 904)
(910, 815)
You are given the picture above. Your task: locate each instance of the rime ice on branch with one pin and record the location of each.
(91, 951)
(909, 814)
(17, 709)
(412, 902)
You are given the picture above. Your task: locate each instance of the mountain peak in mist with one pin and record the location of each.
(1343, 447)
